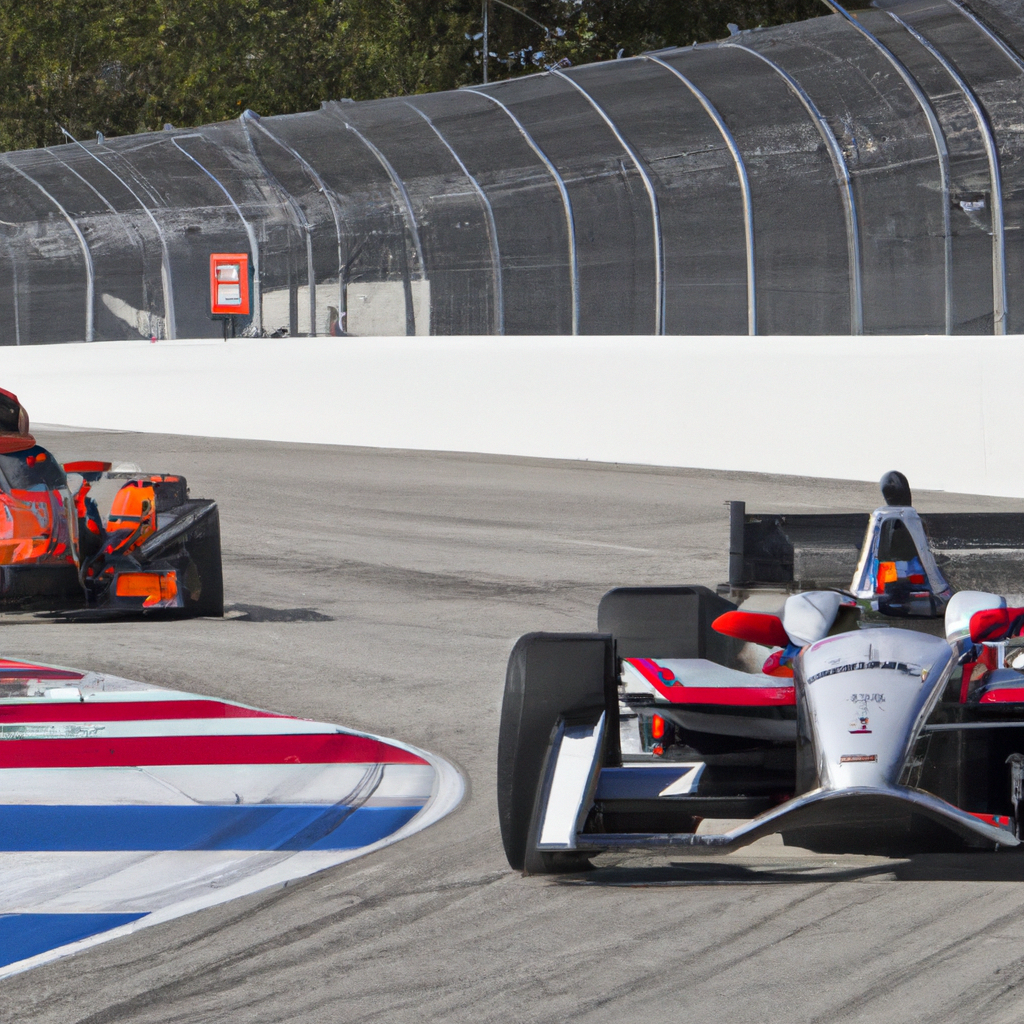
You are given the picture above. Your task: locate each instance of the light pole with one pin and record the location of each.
(486, 18)
(487, 11)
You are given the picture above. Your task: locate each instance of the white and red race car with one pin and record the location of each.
(886, 718)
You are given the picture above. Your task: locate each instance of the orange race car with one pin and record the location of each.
(158, 552)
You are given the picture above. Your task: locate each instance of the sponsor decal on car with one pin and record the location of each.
(861, 666)
(862, 700)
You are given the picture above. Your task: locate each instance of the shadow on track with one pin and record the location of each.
(232, 613)
(937, 867)
(260, 613)
(725, 874)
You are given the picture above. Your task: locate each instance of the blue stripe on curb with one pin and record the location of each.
(248, 827)
(25, 935)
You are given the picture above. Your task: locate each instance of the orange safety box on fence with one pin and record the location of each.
(229, 283)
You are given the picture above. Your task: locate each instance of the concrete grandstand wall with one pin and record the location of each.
(943, 410)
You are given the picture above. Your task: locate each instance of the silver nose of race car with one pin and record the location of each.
(865, 697)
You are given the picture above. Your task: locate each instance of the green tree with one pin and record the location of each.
(124, 66)
(584, 31)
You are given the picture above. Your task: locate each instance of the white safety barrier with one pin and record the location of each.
(943, 410)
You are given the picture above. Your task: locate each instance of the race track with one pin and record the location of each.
(383, 590)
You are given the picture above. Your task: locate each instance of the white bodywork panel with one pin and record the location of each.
(576, 763)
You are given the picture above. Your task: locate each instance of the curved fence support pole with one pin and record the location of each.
(1001, 43)
(492, 227)
(999, 291)
(245, 119)
(842, 171)
(254, 248)
(328, 194)
(17, 314)
(132, 234)
(741, 173)
(570, 220)
(659, 245)
(133, 238)
(90, 281)
(165, 256)
(937, 136)
(410, 222)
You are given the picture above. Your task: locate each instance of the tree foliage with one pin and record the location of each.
(124, 66)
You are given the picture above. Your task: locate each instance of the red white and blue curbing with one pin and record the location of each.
(123, 805)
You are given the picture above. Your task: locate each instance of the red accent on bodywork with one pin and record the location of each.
(773, 666)
(739, 696)
(988, 660)
(753, 627)
(86, 466)
(994, 624)
(662, 679)
(1002, 821)
(11, 443)
(1004, 695)
(965, 683)
(79, 499)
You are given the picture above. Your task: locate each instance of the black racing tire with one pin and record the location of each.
(550, 675)
(667, 622)
(204, 581)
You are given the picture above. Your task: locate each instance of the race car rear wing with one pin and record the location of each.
(973, 550)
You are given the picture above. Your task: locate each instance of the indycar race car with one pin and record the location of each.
(158, 552)
(887, 718)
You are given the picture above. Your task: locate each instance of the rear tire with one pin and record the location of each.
(204, 547)
(549, 675)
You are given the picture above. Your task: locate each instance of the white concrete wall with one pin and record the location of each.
(946, 411)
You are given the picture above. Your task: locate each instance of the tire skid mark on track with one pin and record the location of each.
(413, 580)
(948, 952)
(707, 961)
(212, 978)
(978, 1003)
(648, 981)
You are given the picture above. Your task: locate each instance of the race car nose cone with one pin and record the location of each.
(865, 693)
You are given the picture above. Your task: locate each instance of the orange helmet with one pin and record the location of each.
(134, 508)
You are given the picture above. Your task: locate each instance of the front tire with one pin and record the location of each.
(549, 675)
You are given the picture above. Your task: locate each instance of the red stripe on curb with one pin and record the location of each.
(26, 670)
(126, 711)
(125, 752)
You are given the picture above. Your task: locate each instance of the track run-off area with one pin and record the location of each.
(382, 590)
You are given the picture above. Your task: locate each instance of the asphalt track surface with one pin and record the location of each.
(383, 591)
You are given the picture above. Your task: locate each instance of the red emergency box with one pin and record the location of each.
(229, 283)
